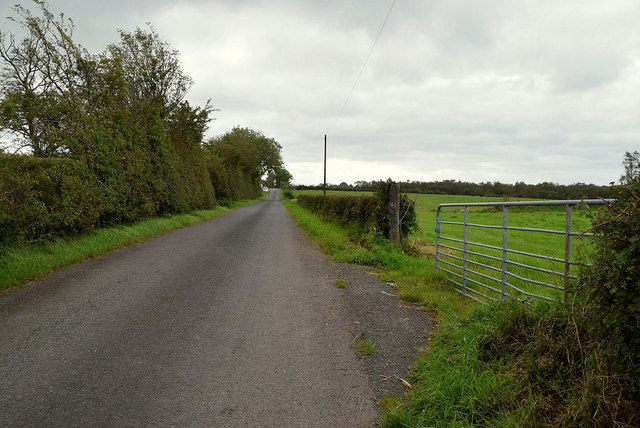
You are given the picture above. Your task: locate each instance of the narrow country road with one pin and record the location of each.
(232, 322)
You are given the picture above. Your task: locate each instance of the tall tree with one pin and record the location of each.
(41, 77)
(152, 69)
(631, 165)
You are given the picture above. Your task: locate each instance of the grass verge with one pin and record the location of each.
(416, 277)
(27, 262)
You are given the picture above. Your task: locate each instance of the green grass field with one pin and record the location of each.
(542, 244)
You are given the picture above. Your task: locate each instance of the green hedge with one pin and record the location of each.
(40, 197)
(345, 209)
(369, 211)
(116, 143)
(43, 197)
(610, 288)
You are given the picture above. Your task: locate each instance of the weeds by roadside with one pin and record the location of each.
(341, 283)
(366, 348)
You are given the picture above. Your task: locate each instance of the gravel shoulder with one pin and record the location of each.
(397, 328)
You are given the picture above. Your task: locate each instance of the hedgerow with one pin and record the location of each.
(609, 295)
(612, 283)
(370, 212)
(41, 197)
(344, 209)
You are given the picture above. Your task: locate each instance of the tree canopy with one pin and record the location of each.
(239, 160)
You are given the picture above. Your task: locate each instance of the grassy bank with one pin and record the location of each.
(506, 365)
(26, 262)
(416, 276)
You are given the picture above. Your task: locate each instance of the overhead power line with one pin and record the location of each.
(364, 64)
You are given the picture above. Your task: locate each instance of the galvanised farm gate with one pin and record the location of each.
(487, 272)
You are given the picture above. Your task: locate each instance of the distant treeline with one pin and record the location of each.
(95, 140)
(544, 190)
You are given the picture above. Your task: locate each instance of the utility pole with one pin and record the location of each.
(325, 164)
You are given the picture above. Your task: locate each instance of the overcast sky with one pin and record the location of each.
(491, 90)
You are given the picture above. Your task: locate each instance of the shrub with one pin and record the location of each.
(288, 194)
(612, 284)
(344, 209)
(611, 289)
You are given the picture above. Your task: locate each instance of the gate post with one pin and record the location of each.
(394, 212)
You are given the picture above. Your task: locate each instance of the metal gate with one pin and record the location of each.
(485, 272)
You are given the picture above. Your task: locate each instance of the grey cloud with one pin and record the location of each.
(534, 90)
(584, 68)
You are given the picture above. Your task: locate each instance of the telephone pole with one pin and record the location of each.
(325, 164)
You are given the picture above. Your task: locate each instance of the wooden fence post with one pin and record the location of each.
(394, 212)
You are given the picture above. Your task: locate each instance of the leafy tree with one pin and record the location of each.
(279, 177)
(42, 75)
(240, 158)
(631, 165)
(152, 70)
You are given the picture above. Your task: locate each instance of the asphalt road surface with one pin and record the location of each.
(232, 322)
